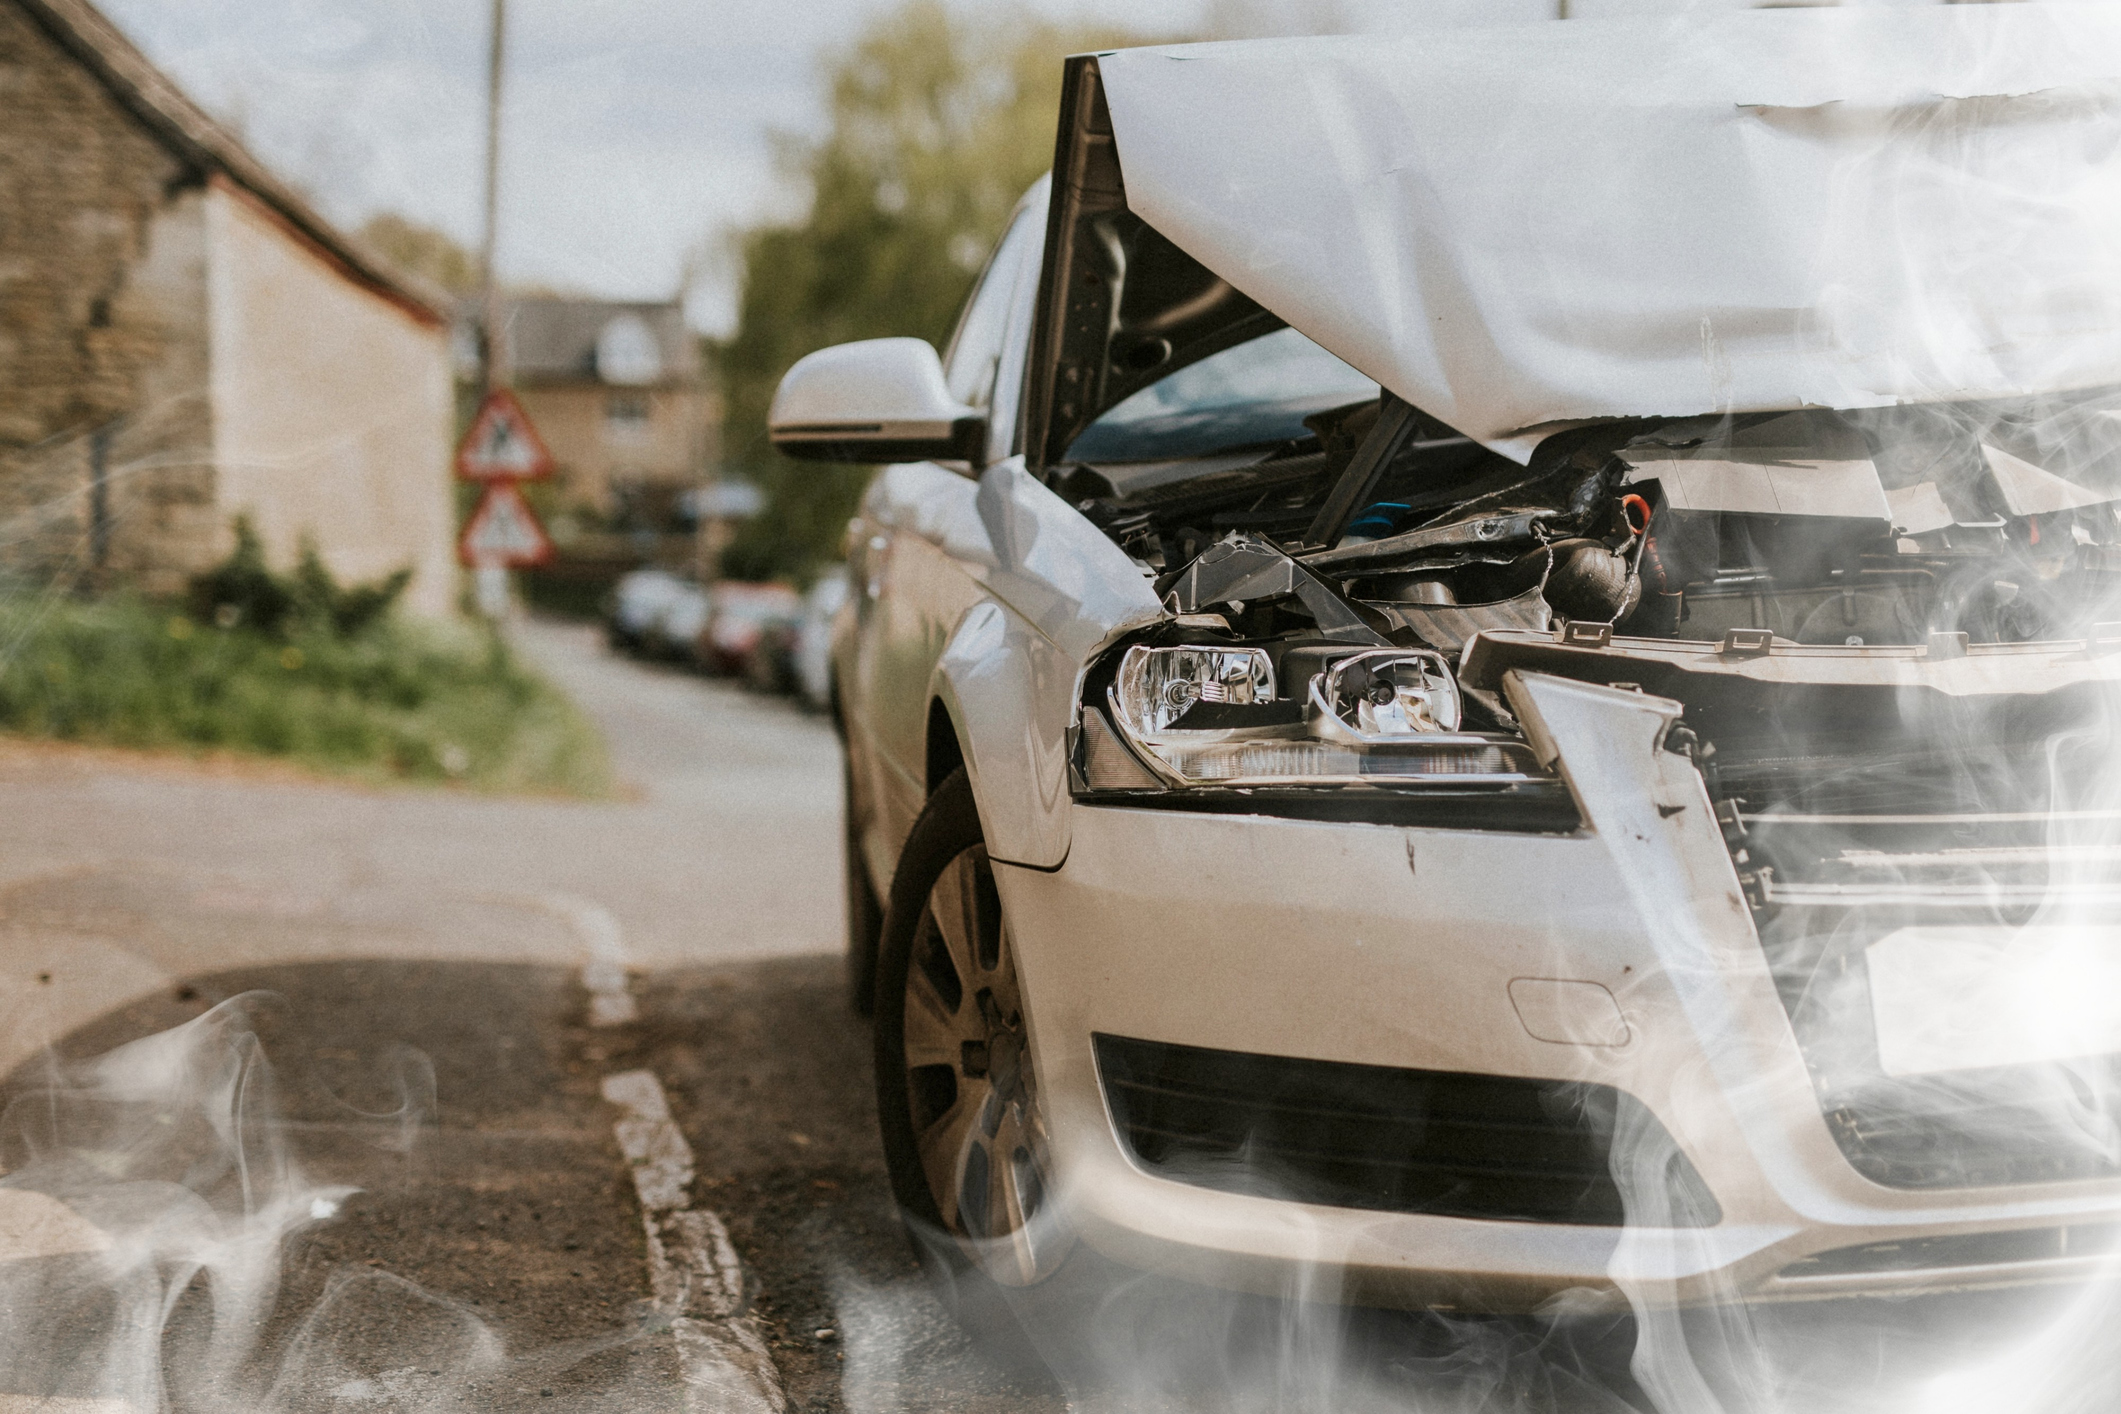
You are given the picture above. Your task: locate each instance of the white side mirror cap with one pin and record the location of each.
(877, 400)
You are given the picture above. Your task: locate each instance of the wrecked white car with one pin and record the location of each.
(1489, 666)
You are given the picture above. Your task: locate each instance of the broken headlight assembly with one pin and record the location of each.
(1205, 717)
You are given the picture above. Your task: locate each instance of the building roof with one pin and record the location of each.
(1662, 216)
(547, 339)
(149, 94)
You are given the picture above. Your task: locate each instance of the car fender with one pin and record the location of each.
(1010, 695)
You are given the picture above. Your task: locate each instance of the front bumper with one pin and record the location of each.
(1397, 947)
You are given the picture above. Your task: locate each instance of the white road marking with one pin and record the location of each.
(604, 975)
(693, 1271)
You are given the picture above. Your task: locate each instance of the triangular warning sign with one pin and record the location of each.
(504, 531)
(501, 445)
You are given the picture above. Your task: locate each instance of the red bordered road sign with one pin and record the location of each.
(501, 445)
(503, 531)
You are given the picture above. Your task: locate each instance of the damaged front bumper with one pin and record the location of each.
(1520, 985)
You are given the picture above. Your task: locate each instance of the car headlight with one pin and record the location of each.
(1217, 716)
(1155, 687)
(1384, 696)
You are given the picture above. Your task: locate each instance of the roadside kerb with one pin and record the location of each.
(694, 1274)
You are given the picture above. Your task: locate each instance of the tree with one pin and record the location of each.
(422, 250)
(939, 122)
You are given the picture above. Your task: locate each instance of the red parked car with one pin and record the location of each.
(739, 618)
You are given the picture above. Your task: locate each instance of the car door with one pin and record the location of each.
(918, 533)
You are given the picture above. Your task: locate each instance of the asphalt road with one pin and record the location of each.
(325, 1097)
(357, 1021)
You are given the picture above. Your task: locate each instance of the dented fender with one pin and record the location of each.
(1056, 593)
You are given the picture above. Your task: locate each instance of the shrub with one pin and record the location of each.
(392, 699)
(243, 589)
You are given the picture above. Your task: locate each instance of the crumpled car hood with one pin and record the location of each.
(1518, 227)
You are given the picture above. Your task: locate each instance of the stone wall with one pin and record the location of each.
(174, 352)
(102, 332)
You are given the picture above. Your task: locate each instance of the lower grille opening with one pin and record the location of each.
(1392, 1140)
(1959, 1249)
(1980, 1128)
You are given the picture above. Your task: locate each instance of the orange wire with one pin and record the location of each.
(1633, 502)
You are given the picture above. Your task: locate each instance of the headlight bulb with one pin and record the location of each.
(1157, 686)
(1389, 694)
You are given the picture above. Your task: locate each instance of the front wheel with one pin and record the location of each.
(964, 1134)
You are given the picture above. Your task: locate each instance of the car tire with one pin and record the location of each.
(865, 913)
(957, 1099)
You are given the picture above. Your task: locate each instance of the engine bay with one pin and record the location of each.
(1866, 528)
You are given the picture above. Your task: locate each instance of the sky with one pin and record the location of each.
(637, 134)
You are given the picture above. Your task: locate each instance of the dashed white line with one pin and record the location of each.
(604, 975)
(693, 1271)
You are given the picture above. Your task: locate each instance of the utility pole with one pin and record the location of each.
(489, 295)
(490, 578)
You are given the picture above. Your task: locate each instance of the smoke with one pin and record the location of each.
(152, 1202)
(167, 1151)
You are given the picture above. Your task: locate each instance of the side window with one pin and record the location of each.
(977, 346)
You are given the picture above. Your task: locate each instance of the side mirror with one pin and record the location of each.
(877, 400)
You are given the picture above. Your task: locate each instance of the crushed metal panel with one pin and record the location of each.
(1788, 466)
(1808, 487)
(2028, 490)
(1519, 226)
(1920, 508)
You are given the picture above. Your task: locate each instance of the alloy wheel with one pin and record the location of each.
(970, 1085)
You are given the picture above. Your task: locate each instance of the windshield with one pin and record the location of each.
(1255, 394)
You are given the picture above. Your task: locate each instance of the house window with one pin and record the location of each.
(626, 418)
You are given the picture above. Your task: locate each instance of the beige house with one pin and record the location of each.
(614, 388)
(182, 340)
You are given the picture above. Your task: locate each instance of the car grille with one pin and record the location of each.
(1384, 1139)
(1838, 849)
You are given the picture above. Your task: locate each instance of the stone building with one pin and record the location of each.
(183, 340)
(615, 390)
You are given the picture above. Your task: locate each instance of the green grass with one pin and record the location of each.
(398, 700)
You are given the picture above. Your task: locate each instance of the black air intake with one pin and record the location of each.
(1382, 1138)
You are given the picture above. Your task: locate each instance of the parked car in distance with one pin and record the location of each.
(1416, 701)
(636, 602)
(739, 618)
(810, 649)
(677, 628)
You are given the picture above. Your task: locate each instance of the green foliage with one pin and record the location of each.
(422, 250)
(940, 121)
(393, 700)
(243, 589)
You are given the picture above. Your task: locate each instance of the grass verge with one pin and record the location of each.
(400, 700)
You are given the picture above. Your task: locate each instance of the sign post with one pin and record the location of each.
(501, 450)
